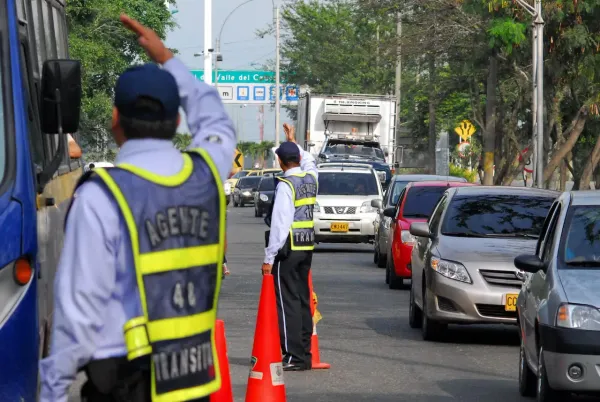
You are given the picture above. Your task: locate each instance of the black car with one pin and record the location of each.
(243, 193)
(263, 198)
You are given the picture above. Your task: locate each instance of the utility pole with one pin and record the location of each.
(208, 41)
(261, 119)
(277, 78)
(218, 51)
(537, 109)
(539, 22)
(398, 87)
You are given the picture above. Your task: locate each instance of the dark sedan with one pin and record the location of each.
(263, 198)
(244, 190)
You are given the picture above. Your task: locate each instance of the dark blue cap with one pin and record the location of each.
(147, 81)
(287, 150)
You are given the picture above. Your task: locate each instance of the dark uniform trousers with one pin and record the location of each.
(119, 380)
(293, 307)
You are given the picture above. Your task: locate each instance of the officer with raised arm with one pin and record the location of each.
(288, 255)
(139, 276)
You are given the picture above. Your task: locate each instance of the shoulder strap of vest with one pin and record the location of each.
(82, 179)
(208, 159)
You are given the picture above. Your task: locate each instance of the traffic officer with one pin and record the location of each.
(289, 251)
(139, 276)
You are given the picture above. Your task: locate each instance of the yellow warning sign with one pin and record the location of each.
(238, 160)
(465, 130)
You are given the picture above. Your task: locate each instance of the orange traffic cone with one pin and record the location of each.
(225, 394)
(265, 380)
(314, 340)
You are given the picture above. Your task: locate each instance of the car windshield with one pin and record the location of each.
(581, 237)
(240, 174)
(345, 183)
(396, 191)
(496, 216)
(355, 150)
(421, 201)
(267, 184)
(249, 182)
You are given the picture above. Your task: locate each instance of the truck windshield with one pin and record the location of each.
(345, 183)
(355, 150)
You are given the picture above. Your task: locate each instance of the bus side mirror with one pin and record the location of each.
(61, 96)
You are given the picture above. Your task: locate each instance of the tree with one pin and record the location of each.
(105, 49)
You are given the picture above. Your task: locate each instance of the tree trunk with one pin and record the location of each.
(432, 111)
(590, 166)
(573, 133)
(518, 169)
(489, 135)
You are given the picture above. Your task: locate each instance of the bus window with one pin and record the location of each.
(2, 130)
(35, 134)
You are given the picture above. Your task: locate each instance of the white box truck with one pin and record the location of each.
(352, 127)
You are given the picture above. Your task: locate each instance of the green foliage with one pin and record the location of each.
(470, 175)
(105, 49)
(182, 141)
(505, 33)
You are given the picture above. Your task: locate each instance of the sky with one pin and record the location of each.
(240, 46)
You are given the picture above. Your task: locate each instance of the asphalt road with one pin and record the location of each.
(375, 356)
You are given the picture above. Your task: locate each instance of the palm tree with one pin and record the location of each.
(264, 150)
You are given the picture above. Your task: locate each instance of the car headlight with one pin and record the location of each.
(387, 221)
(247, 193)
(451, 270)
(317, 208)
(576, 316)
(264, 198)
(407, 238)
(366, 208)
(227, 188)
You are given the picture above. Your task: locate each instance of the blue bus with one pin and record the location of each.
(40, 96)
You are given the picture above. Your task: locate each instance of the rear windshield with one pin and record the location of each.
(496, 216)
(344, 183)
(267, 184)
(421, 201)
(363, 150)
(249, 182)
(581, 238)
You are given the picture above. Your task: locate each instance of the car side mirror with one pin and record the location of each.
(61, 96)
(420, 229)
(529, 263)
(390, 212)
(322, 156)
(377, 204)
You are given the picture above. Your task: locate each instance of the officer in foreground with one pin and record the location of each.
(289, 251)
(139, 276)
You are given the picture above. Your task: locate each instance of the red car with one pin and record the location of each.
(415, 204)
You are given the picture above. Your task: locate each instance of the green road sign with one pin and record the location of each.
(240, 76)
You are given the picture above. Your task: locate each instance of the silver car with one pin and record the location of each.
(559, 304)
(463, 261)
(390, 199)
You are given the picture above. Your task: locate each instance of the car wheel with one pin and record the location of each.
(382, 260)
(414, 312)
(545, 393)
(235, 204)
(430, 329)
(527, 380)
(387, 275)
(394, 282)
(227, 200)
(376, 255)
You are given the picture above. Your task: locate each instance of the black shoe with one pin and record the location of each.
(293, 367)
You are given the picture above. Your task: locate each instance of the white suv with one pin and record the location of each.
(343, 212)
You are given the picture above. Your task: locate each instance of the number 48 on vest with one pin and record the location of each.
(178, 297)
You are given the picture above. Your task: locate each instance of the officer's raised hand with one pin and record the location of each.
(148, 39)
(290, 132)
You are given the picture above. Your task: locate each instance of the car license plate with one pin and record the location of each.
(339, 227)
(511, 302)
